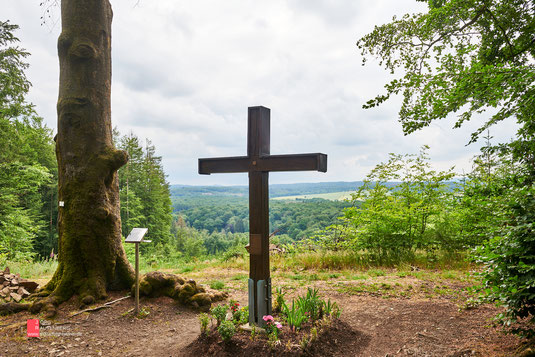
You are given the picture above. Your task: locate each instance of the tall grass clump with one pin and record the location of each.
(39, 269)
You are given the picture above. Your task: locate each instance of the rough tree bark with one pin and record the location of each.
(91, 257)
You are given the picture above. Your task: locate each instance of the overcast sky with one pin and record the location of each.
(185, 72)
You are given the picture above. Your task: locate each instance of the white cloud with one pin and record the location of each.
(184, 74)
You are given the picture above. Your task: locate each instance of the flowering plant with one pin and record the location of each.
(237, 313)
(272, 327)
(234, 306)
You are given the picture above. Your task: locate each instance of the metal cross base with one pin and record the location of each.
(263, 301)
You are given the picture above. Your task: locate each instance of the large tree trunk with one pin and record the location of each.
(91, 257)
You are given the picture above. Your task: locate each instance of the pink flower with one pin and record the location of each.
(278, 324)
(267, 318)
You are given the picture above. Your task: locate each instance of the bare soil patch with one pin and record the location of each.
(372, 324)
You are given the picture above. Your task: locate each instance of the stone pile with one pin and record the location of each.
(13, 288)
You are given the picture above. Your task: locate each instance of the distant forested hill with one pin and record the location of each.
(276, 190)
(309, 206)
(217, 208)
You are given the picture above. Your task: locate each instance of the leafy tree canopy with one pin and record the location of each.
(462, 56)
(13, 82)
(27, 161)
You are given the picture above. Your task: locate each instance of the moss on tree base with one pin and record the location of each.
(187, 292)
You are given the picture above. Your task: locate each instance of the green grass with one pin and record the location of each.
(217, 285)
(42, 269)
(395, 290)
(186, 269)
(305, 268)
(376, 272)
(347, 259)
(352, 276)
(239, 277)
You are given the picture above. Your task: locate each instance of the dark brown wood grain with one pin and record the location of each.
(258, 163)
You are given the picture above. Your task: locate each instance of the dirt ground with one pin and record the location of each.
(377, 315)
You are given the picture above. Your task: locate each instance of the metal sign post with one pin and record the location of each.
(136, 236)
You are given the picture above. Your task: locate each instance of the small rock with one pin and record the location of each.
(23, 292)
(31, 286)
(15, 297)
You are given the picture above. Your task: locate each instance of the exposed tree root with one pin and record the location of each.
(155, 284)
(13, 308)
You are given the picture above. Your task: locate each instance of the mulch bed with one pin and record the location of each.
(339, 336)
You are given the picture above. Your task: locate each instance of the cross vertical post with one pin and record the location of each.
(258, 163)
(258, 146)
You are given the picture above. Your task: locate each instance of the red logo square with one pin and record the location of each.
(32, 328)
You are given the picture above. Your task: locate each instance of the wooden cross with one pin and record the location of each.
(258, 163)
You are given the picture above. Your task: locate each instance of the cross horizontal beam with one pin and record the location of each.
(296, 162)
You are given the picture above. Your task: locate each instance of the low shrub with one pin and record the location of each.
(219, 313)
(226, 330)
